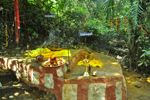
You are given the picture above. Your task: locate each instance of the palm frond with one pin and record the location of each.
(136, 11)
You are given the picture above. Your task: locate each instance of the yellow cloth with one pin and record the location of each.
(61, 53)
(38, 51)
(48, 53)
(93, 63)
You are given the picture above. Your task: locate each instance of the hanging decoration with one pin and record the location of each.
(116, 23)
(6, 36)
(17, 22)
(125, 24)
(111, 22)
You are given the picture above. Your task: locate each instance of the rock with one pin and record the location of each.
(141, 80)
(11, 96)
(125, 61)
(119, 57)
(4, 98)
(48, 96)
(125, 67)
(16, 94)
(87, 49)
(137, 84)
(144, 75)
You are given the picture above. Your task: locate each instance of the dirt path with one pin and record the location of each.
(135, 93)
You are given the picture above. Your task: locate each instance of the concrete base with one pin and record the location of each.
(109, 84)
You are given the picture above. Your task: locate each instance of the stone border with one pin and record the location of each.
(52, 79)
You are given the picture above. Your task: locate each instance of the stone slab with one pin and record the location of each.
(110, 68)
(96, 91)
(69, 92)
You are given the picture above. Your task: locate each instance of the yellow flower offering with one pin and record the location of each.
(93, 63)
(148, 79)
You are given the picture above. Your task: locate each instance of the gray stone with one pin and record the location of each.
(18, 74)
(14, 68)
(144, 75)
(65, 68)
(125, 61)
(118, 90)
(16, 93)
(11, 96)
(70, 92)
(35, 78)
(125, 67)
(124, 82)
(49, 82)
(8, 66)
(96, 91)
(59, 72)
(137, 84)
(128, 70)
(25, 75)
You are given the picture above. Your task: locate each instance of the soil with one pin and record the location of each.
(135, 93)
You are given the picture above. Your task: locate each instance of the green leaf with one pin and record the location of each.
(145, 64)
(147, 61)
(147, 53)
(143, 55)
(140, 64)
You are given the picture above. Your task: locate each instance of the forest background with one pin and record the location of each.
(121, 24)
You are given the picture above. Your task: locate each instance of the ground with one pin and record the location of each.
(134, 93)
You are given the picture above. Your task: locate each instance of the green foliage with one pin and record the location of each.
(35, 34)
(136, 11)
(70, 20)
(144, 58)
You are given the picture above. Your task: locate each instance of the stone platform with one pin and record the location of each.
(109, 84)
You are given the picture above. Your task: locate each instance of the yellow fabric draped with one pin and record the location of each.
(48, 53)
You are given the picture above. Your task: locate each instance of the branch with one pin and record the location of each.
(142, 27)
(122, 42)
